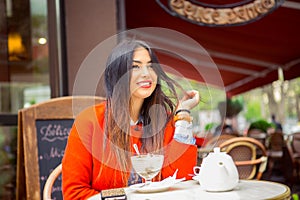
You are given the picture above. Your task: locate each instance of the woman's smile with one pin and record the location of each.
(145, 84)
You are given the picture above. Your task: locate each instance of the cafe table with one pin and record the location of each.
(191, 190)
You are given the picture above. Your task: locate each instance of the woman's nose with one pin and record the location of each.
(145, 71)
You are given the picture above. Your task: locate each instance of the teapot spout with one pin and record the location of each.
(223, 168)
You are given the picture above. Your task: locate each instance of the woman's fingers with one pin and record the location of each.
(190, 100)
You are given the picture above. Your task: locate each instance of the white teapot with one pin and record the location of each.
(217, 172)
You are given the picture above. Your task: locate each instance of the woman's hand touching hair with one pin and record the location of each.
(189, 100)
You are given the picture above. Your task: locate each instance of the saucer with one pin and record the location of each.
(152, 187)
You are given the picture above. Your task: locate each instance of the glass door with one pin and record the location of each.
(24, 75)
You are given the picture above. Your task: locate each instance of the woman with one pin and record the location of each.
(136, 111)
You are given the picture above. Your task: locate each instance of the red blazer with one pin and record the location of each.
(84, 173)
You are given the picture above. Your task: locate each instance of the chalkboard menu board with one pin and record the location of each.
(43, 131)
(52, 136)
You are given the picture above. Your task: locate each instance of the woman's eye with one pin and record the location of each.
(135, 67)
(140, 67)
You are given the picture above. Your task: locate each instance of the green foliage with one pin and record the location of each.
(261, 125)
(32, 101)
(235, 106)
(230, 108)
(295, 196)
(253, 111)
(210, 126)
(209, 96)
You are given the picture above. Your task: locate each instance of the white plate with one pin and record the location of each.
(153, 187)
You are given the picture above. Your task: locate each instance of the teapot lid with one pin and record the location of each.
(217, 150)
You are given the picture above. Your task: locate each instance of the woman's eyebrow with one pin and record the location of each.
(140, 62)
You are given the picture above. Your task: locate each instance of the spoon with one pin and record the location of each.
(136, 149)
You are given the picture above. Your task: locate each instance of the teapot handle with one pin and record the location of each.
(196, 170)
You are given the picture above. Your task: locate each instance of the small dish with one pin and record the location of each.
(153, 187)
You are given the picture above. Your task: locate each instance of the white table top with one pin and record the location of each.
(190, 190)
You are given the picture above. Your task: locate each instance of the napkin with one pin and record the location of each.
(171, 180)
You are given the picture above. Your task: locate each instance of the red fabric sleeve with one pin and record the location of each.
(77, 163)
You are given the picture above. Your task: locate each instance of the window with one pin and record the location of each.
(24, 75)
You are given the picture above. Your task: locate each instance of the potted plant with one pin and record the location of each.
(261, 124)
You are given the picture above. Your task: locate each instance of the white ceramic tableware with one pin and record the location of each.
(217, 172)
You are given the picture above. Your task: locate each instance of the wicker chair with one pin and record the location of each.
(293, 148)
(258, 135)
(50, 182)
(243, 151)
(217, 140)
(295, 142)
(276, 144)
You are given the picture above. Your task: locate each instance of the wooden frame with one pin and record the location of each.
(61, 108)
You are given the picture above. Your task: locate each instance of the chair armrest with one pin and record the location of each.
(252, 162)
(50, 182)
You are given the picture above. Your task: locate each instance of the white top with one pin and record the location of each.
(191, 190)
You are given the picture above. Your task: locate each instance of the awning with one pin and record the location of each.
(247, 56)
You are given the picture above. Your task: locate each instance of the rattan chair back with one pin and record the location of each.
(244, 152)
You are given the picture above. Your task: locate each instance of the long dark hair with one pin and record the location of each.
(156, 111)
